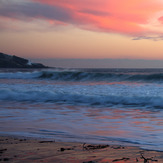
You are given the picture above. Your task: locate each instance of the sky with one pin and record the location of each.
(82, 29)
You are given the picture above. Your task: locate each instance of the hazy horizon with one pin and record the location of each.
(100, 63)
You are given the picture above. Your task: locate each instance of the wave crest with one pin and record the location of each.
(77, 75)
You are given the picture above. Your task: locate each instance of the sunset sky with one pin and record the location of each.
(94, 29)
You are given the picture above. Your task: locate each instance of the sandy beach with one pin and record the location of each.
(18, 150)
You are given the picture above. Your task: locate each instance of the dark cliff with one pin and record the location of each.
(9, 61)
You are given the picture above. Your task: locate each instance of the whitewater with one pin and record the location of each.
(111, 106)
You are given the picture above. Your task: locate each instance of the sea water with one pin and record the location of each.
(111, 106)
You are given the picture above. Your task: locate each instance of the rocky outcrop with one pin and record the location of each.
(9, 61)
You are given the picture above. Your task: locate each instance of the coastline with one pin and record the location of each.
(20, 149)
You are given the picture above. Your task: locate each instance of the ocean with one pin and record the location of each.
(110, 106)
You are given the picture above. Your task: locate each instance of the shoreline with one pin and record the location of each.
(24, 149)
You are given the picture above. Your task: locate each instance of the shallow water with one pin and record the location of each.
(91, 107)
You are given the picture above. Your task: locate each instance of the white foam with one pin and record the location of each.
(98, 95)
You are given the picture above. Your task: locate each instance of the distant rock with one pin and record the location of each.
(9, 61)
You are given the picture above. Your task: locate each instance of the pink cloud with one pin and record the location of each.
(119, 16)
(161, 19)
(131, 17)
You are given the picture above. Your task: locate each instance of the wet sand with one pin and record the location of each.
(25, 150)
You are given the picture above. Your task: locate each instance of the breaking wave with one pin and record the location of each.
(80, 99)
(77, 75)
(100, 76)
